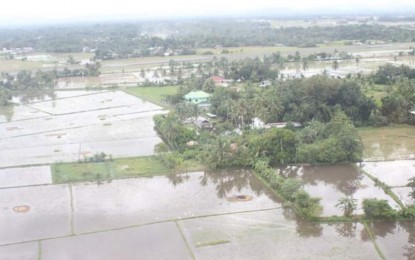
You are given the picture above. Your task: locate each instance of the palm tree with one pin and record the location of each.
(335, 65)
(348, 205)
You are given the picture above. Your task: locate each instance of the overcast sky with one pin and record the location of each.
(18, 11)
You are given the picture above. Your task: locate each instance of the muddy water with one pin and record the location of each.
(161, 241)
(333, 182)
(393, 173)
(27, 251)
(129, 202)
(274, 234)
(33, 213)
(177, 216)
(17, 177)
(396, 239)
(389, 143)
(70, 124)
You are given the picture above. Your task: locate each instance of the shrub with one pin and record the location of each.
(378, 209)
(289, 188)
(308, 207)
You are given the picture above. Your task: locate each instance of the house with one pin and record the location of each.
(203, 123)
(197, 97)
(257, 123)
(282, 125)
(220, 81)
(265, 84)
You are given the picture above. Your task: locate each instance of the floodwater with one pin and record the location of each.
(72, 124)
(273, 235)
(394, 173)
(388, 143)
(396, 239)
(180, 216)
(17, 177)
(141, 201)
(160, 241)
(334, 182)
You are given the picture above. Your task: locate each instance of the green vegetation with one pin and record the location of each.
(212, 243)
(378, 209)
(116, 169)
(127, 40)
(156, 95)
(290, 190)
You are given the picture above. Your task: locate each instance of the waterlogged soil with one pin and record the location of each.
(388, 143)
(396, 239)
(334, 182)
(17, 177)
(76, 124)
(393, 173)
(127, 202)
(181, 216)
(32, 213)
(160, 241)
(26, 251)
(275, 234)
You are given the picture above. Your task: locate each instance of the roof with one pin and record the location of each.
(412, 112)
(196, 94)
(217, 78)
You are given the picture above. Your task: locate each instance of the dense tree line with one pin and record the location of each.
(299, 100)
(389, 74)
(123, 40)
(24, 79)
(336, 141)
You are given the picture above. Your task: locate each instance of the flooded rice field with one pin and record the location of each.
(17, 177)
(181, 216)
(334, 182)
(199, 215)
(74, 124)
(388, 143)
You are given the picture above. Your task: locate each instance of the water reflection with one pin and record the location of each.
(344, 177)
(6, 112)
(33, 96)
(227, 182)
(346, 229)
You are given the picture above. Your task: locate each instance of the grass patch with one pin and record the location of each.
(117, 169)
(386, 189)
(373, 239)
(155, 95)
(212, 243)
(377, 92)
(18, 65)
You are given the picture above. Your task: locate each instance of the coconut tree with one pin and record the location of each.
(348, 205)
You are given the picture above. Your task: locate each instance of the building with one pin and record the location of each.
(220, 81)
(203, 123)
(265, 84)
(197, 97)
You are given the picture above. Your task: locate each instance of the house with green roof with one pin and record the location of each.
(197, 97)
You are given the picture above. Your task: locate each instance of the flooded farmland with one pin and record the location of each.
(70, 125)
(389, 143)
(199, 215)
(192, 215)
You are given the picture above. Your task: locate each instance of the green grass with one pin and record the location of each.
(377, 92)
(17, 65)
(117, 169)
(155, 95)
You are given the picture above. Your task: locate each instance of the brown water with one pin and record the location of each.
(184, 215)
(389, 143)
(396, 239)
(74, 123)
(333, 182)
